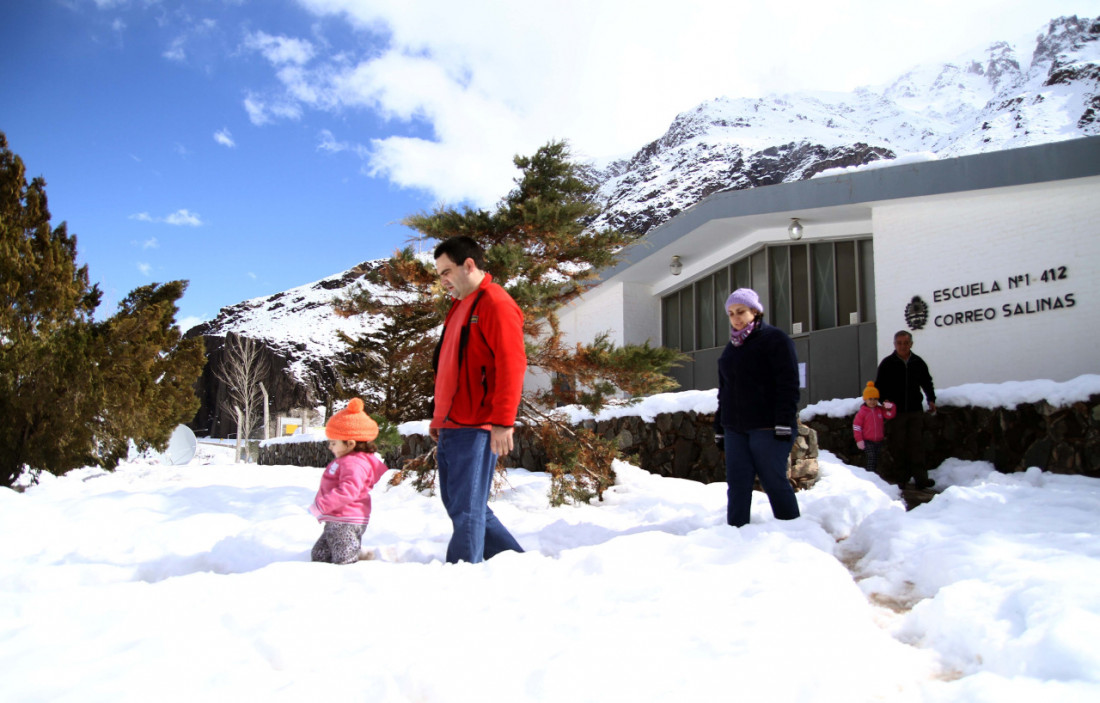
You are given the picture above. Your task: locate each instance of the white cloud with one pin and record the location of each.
(280, 50)
(490, 79)
(261, 111)
(175, 50)
(150, 243)
(145, 269)
(179, 217)
(256, 109)
(328, 143)
(193, 37)
(184, 217)
(223, 137)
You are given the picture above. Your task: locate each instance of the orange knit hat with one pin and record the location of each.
(352, 423)
(870, 391)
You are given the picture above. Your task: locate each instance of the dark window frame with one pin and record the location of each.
(758, 266)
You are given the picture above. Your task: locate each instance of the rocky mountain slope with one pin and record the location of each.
(1008, 95)
(298, 329)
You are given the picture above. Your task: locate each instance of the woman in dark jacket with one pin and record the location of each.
(757, 409)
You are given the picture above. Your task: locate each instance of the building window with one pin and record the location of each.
(824, 288)
(866, 269)
(806, 287)
(847, 284)
(722, 290)
(670, 321)
(800, 289)
(687, 320)
(742, 275)
(779, 278)
(678, 318)
(704, 321)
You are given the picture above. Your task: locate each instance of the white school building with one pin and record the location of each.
(992, 261)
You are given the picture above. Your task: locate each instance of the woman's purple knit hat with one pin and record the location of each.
(746, 297)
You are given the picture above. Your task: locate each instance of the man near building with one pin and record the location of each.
(902, 377)
(480, 364)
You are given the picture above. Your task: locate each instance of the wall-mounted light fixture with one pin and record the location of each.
(675, 267)
(795, 229)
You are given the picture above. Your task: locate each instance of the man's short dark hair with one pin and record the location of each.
(458, 249)
(903, 333)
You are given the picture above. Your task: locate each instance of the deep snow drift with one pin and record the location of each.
(193, 583)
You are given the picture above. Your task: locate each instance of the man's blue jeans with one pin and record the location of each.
(752, 454)
(466, 465)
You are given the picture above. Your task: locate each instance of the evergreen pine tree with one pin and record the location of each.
(74, 391)
(390, 367)
(539, 247)
(148, 373)
(393, 364)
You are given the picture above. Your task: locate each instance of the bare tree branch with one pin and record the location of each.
(243, 368)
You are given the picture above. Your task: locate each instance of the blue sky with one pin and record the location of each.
(250, 146)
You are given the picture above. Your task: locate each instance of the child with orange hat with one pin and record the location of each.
(343, 500)
(869, 427)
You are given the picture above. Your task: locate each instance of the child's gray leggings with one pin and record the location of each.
(339, 543)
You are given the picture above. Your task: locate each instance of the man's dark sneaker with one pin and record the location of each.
(925, 484)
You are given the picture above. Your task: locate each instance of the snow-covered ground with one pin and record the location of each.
(193, 582)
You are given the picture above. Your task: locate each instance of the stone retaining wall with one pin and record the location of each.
(1064, 440)
(295, 454)
(679, 445)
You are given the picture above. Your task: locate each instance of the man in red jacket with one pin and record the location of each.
(480, 364)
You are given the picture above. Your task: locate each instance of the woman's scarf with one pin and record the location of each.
(738, 337)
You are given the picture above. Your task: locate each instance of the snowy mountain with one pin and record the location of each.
(1006, 96)
(1009, 95)
(298, 328)
(298, 323)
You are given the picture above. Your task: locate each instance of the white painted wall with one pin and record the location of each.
(641, 314)
(629, 311)
(977, 242)
(601, 310)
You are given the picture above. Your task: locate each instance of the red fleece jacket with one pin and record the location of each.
(485, 388)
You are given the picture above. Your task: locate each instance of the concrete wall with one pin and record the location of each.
(641, 314)
(627, 310)
(977, 260)
(600, 310)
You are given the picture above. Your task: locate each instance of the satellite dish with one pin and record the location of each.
(181, 447)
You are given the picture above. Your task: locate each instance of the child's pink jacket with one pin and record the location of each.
(344, 495)
(870, 423)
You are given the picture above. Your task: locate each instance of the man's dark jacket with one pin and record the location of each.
(902, 383)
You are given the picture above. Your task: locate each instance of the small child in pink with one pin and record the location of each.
(869, 427)
(343, 500)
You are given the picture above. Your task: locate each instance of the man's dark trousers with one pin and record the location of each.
(904, 439)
